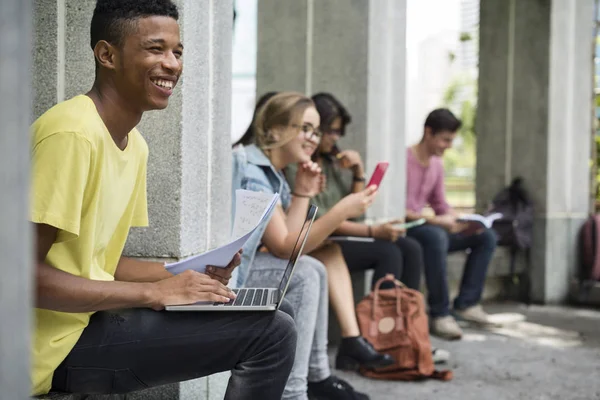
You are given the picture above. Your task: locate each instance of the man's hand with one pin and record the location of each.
(387, 231)
(187, 288)
(449, 222)
(223, 275)
(308, 179)
(459, 227)
(446, 221)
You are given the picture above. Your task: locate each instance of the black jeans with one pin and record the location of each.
(403, 259)
(126, 350)
(437, 243)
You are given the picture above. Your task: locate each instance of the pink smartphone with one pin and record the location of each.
(378, 173)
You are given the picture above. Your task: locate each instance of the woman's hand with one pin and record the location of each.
(308, 179)
(356, 204)
(351, 159)
(323, 183)
(387, 231)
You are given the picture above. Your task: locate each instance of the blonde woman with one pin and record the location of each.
(286, 132)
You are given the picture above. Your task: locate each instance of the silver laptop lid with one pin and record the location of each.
(297, 251)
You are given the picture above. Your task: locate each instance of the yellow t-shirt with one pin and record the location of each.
(93, 192)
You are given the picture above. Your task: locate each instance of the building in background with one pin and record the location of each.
(243, 87)
(469, 32)
(432, 33)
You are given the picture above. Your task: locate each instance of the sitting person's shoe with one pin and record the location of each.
(475, 315)
(334, 388)
(446, 328)
(440, 356)
(356, 352)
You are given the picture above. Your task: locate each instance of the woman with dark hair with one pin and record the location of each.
(390, 252)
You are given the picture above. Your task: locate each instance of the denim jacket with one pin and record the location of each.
(252, 170)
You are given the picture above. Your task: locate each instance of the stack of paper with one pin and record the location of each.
(251, 209)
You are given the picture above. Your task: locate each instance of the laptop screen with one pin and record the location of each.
(297, 251)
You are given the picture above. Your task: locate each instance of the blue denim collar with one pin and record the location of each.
(256, 156)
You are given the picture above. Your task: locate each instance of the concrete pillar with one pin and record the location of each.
(535, 120)
(189, 171)
(15, 236)
(356, 50)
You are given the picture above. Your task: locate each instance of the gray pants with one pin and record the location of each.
(308, 296)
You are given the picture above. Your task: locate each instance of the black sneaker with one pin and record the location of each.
(334, 388)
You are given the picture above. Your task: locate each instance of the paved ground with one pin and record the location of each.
(554, 354)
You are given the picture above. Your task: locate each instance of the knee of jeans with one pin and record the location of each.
(287, 308)
(436, 238)
(319, 270)
(285, 333)
(488, 239)
(309, 274)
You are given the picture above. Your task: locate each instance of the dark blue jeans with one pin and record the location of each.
(122, 351)
(437, 243)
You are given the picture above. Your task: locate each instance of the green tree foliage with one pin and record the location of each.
(460, 97)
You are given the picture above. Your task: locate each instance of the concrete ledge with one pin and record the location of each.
(166, 392)
(208, 388)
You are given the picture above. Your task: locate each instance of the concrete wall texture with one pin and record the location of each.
(535, 121)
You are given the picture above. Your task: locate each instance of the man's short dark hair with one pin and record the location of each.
(114, 19)
(441, 120)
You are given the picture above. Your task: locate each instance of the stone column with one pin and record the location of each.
(354, 49)
(534, 121)
(189, 171)
(15, 236)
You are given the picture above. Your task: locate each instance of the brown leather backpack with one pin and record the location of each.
(395, 322)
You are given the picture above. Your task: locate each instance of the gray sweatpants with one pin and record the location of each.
(308, 296)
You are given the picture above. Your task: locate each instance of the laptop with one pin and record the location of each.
(259, 299)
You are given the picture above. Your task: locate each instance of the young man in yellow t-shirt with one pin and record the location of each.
(97, 330)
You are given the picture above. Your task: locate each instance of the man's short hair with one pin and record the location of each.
(442, 119)
(114, 19)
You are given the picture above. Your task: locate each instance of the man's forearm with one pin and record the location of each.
(60, 291)
(132, 270)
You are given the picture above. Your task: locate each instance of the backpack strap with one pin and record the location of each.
(443, 375)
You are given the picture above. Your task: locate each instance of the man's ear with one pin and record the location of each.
(105, 54)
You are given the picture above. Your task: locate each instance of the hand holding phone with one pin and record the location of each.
(378, 174)
(411, 224)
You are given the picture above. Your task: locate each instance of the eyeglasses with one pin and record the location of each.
(309, 131)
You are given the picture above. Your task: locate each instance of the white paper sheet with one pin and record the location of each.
(252, 208)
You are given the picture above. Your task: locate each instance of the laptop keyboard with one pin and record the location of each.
(248, 297)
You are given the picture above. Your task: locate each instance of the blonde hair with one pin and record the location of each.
(280, 111)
